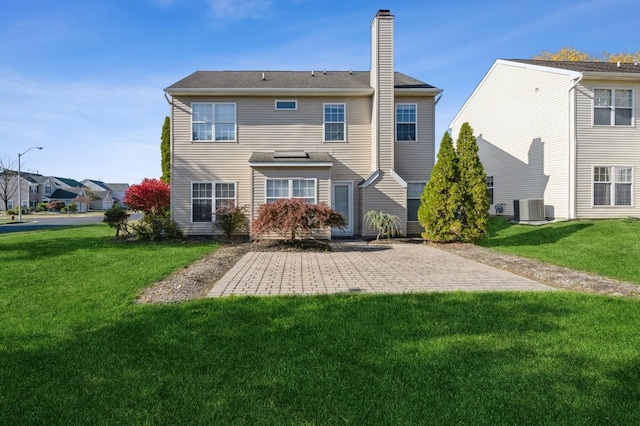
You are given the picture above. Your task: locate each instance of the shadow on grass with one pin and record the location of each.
(454, 358)
(502, 236)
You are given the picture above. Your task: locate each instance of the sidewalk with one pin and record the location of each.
(358, 267)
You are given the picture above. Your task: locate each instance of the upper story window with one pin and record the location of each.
(47, 189)
(612, 186)
(334, 122)
(213, 122)
(406, 122)
(612, 107)
(33, 189)
(288, 104)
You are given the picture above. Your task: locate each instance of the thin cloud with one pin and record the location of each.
(240, 9)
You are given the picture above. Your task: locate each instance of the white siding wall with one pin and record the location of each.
(521, 119)
(262, 129)
(605, 146)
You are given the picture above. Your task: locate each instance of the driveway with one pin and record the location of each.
(358, 267)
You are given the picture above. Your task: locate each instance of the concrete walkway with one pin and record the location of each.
(358, 267)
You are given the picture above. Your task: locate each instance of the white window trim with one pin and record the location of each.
(290, 189)
(213, 123)
(213, 197)
(395, 119)
(10, 204)
(414, 198)
(324, 132)
(276, 101)
(612, 195)
(613, 108)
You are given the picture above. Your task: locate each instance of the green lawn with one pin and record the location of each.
(605, 247)
(76, 349)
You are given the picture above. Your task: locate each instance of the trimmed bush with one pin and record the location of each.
(117, 217)
(230, 220)
(292, 217)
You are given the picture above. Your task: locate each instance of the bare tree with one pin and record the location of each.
(8, 187)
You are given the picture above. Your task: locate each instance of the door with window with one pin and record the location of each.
(342, 202)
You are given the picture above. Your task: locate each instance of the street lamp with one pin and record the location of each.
(20, 183)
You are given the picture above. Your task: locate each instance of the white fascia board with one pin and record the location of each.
(270, 92)
(370, 179)
(285, 164)
(618, 76)
(398, 178)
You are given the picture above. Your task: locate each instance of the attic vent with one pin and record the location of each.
(290, 154)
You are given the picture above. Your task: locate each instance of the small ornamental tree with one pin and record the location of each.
(441, 199)
(118, 218)
(55, 205)
(230, 220)
(385, 224)
(151, 196)
(292, 217)
(474, 207)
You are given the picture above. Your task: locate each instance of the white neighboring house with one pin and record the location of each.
(356, 140)
(564, 132)
(103, 193)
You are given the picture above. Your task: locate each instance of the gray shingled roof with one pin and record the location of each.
(288, 80)
(282, 157)
(586, 67)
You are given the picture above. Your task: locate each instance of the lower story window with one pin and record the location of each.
(9, 204)
(490, 189)
(304, 189)
(612, 186)
(206, 195)
(414, 192)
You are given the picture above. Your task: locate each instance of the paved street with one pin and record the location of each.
(358, 267)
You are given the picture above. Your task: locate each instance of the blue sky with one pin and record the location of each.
(85, 79)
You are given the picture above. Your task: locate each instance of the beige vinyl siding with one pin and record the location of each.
(414, 160)
(385, 89)
(521, 119)
(260, 128)
(605, 146)
(385, 195)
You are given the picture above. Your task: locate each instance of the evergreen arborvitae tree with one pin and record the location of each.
(440, 201)
(474, 208)
(165, 149)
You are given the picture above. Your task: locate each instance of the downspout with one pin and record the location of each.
(573, 141)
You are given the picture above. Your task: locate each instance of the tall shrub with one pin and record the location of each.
(165, 150)
(441, 199)
(474, 207)
(151, 196)
(292, 217)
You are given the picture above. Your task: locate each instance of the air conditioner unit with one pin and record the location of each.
(528, 210)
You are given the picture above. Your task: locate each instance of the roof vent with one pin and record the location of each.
(312, 74)
(324, 72)
(263, 77)
(618, 64)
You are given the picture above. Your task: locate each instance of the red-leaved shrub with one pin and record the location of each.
(152, 197)
(291, 217)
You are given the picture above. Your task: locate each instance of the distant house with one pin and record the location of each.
(32, 186)
(100, 193)
(356, 140)
(563, 132)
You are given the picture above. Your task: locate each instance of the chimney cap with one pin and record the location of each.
(384, 12)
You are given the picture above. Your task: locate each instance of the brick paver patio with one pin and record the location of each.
(358, 267)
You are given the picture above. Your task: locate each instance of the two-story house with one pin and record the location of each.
(563, 132)
(356, 140)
